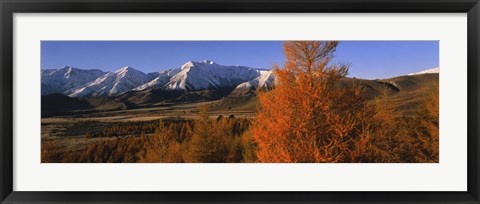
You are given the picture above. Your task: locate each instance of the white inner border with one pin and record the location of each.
(448, 175)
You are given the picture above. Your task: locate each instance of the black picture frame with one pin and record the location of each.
(10, 7)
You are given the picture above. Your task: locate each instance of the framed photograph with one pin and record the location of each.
(241, 101)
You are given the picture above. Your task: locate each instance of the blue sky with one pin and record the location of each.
(368, 59)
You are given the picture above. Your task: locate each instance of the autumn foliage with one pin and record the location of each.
(204, 139)
(311, 117)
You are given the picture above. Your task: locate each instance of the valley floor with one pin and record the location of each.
(70, 134)
(184, 111)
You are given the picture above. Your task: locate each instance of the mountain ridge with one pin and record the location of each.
(67, 77)
(191, 76)
(112, 83)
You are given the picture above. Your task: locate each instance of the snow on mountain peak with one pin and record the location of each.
(193, 75)
(60, 80)
(265, 81)
(159, 81)
(207, 74)
(191, 64)
(207, 62)
(112, 83)
(187, 65)
(126, 69)
(69, 71)
(428, 71)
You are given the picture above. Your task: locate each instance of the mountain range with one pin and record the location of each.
(230, 87)
(191, 76)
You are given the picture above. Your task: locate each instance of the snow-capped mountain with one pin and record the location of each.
(112, 83)
(428, 71)
(190, 76)
(265, 81)
(61, 80)
(208, 74)
(160, 80)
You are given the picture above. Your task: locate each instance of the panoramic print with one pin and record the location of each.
(240, 101)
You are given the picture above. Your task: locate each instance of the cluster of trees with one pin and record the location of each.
(309, 117)
(199, 141)
(124, 129)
